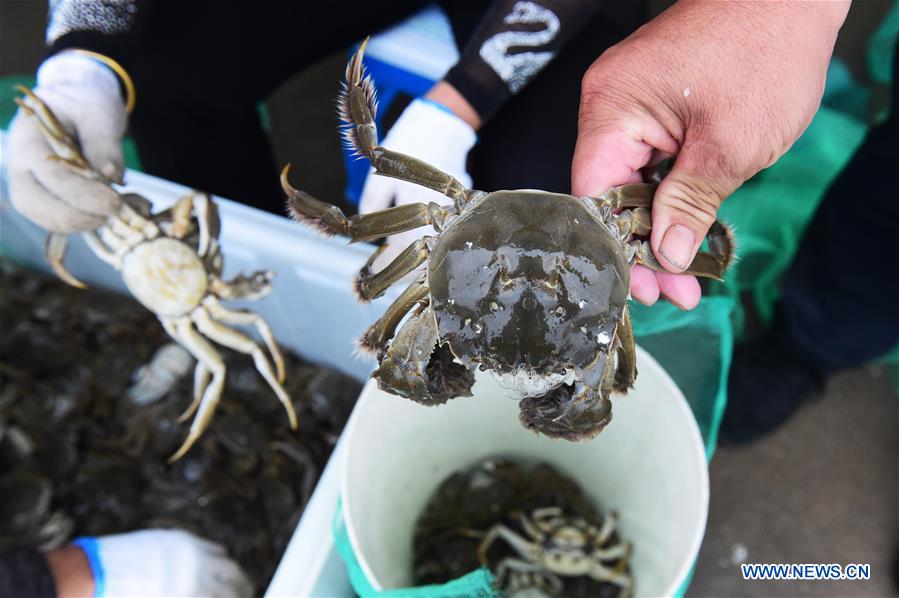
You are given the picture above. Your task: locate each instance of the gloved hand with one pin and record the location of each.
(434, 135)
(162, 562)
(84, 95)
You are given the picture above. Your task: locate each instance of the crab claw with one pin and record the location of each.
(417, 368)
(564, 413)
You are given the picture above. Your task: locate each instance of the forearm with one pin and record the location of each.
(512, 44)
(444, 93)
(71, 572)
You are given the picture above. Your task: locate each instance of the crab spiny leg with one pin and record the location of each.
(633, 195)
(633, 221)
(328, 219)
(626, 369)
(519, 544)
(375, 338)
(530, 529)
(182, 331)
(201, 381)
(243, 286)
(205, 221)
(357, 106)
(101, 250)
(247, 318)
(180, 215)
(615, 575)
(706, 264)
(612, 552)
(55, 254)
(65, 148)
(237, 341)
(371, 286)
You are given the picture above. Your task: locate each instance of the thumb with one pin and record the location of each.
(101, 142)
(685, 206)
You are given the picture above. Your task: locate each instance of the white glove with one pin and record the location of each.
(162, 562)
(84, 96)
(433, 135)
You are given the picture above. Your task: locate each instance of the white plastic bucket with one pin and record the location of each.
(649, 465)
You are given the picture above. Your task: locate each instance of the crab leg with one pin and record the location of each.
(626, 370)
(101, 250)
(605, 531)
(182, 331)
(417, 367)
(201, 381)
(375, 338)
(519, 544)
(197, 203)
(253, 286)
(635, 221)
(371, 286)
(600, 572)
(358, 105)
(707, 264)
(246, 318)
(55, 254)
(632, 195)
(328, 219)
(237, 341)
(65, 149)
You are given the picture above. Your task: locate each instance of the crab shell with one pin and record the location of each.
(166, 276)
(529, 285)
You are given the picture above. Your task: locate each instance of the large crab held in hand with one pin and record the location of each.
(529, 285)
(172, 264)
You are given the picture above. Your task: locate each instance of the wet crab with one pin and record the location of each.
(558, 545)
(172, 264)
(529, 285)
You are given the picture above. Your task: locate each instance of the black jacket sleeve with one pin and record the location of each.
(25, 572)
(513, 43)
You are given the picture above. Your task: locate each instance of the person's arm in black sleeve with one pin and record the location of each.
(111, 28)
(513, 43)
(25, 572)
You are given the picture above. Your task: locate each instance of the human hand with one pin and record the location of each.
(726, 87)
(84, 96)
(434, 135)
(162, 562)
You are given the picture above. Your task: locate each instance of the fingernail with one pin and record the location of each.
(677, 246)
(108, 169)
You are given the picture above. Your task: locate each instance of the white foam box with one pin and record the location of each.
(312, 311)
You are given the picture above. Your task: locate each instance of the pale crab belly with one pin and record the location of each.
(166, 276)
(525, 383)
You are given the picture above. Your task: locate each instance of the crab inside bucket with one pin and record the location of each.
(649, 465)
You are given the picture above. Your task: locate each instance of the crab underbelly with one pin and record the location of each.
(524, 383)
(166, 276)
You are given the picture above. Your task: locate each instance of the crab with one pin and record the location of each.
(528, 285)
(172, 264)
(557, 546)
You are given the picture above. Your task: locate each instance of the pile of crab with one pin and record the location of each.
(533, 527)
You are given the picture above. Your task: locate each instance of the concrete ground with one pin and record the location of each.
(823, 489)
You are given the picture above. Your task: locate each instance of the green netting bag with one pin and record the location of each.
(477, 584)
